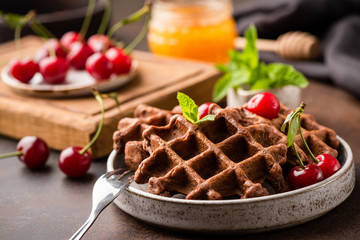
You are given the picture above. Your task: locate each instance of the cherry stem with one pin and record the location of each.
(12, 154)
(23, 20)
(88, 16)
(307, 147)
(130, 19)
(140, 36)
(298, 156)
(101, 102)
(302, 107)
(106, 17)
(40, 29)
(18, 41)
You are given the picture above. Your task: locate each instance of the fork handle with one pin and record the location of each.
(83, 229)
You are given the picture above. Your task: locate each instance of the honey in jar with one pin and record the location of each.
(196, 29)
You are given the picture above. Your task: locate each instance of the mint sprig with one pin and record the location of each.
(245, 70)
(190, 110)
(294, 126)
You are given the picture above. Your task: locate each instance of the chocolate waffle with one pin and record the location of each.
(231, 156)
(128, 138)
(214, 160)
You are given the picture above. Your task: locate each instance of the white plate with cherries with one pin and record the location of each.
(71, 66)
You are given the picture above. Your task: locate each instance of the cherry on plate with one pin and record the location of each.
(23, 70)
(99, 42)
(69, 38)
(53, 69)
(328, 164)
(301, 177)
(51, 45)
(204, 109)
(121, 61)
(73, 163)
(264, 104)
(99, 66)
(78, 54)
(34, 151)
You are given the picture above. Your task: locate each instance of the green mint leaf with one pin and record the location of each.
(188, 107)
(283, 75)
(258, 75)
(209, 117)
(222, 68)
(263, 83)
(222, 86)
(250, 50)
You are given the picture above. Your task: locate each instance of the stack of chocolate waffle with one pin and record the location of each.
(229, 157)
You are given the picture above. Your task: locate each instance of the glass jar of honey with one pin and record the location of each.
(196, 29)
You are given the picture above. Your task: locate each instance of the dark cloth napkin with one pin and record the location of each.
(335, 22)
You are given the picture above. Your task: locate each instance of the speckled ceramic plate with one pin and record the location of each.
(77, 83)
(241, 215)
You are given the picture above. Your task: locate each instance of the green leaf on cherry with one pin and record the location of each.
(190, 110)
(293, 122)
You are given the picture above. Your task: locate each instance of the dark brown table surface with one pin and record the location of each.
(47, 205)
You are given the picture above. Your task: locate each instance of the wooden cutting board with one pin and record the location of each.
(73, 121)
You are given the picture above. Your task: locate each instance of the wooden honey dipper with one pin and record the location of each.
(292, 45)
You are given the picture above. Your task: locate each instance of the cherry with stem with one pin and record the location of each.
(71, 37)
(327, 163)
(322, 167)
(32, 151)
(75, 161)
(303, 175)
(21, 69)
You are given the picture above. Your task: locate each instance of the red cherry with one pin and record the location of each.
(264, 104)
(50, 45)
(69, 38)
(78, 54)
(23, 70)
(121, 61)
(99, 66)
(328, 164)
(301, 177)
(204, 110)
(99, 42)
(53, 69)
(73, 163)
(35, 151)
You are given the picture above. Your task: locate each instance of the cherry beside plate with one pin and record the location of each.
(77, 83)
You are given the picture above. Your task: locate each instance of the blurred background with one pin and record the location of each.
(335, 23)
(61, 16)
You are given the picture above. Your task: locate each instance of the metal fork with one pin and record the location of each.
(105, 190)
